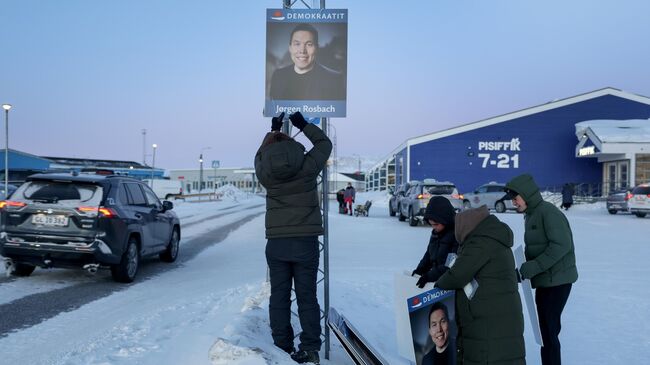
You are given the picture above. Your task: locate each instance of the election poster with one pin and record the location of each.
(426, 323)
(306, 62)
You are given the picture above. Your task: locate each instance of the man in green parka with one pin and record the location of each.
(490, 320)
(550, 259)
(293, 224)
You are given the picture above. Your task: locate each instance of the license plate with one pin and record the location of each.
(50, 220)
(614, 206)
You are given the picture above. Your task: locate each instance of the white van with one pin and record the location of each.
(165, 189)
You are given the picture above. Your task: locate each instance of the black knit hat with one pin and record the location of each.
(440, 211)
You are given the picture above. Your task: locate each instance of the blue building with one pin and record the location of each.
(22, 164)
(540, 140)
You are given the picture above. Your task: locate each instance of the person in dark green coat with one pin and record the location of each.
(293, 224)
(550, 259)
(490, 322)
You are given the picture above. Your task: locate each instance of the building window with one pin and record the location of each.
(642, 174)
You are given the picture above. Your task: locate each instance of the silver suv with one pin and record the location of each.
(491, 195)
(639, 203)
(414, 203)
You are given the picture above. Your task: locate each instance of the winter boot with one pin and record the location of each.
(303, 356)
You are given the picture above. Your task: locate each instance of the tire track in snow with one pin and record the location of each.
(33, 309)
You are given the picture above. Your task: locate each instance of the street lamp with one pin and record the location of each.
(201, 168)
(6, 107)
(153, 162)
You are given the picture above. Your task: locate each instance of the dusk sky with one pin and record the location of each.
(85, 77)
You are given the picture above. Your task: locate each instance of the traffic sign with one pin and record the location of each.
(215, 164)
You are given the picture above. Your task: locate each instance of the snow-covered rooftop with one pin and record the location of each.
(617, 131)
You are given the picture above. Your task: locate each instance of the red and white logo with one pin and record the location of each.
(278, 15)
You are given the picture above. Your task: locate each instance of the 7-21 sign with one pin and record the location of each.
(502, 154)
(501, 161)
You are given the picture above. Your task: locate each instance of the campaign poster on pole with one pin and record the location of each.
(306, 62)
(426, 322)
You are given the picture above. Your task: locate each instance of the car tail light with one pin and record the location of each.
(457, 196)
(97, 211)
(628, 196)
(9, 203)
(424, 196)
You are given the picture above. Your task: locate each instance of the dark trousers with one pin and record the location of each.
(294, 259)
(550, 303)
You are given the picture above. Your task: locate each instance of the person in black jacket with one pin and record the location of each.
(293, 224)
(441, 215)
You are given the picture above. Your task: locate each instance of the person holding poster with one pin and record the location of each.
(293, 223)
(488, 311)
(550, 260)
(440, 215)
(305, 78)
(444, 351)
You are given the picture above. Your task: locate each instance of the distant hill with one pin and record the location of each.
(350, 164)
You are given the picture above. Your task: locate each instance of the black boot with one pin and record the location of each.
(303, 356)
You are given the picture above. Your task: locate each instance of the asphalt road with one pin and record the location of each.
(33, 309)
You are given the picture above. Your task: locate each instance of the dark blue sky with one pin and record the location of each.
(85, 77)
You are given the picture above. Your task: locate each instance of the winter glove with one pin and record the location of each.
(422, 281)
(529, 269)
(298, 120)
(415, 272)
(518, 275)
(276, 122)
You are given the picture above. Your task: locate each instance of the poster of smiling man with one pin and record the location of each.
(433, 327)
(306, 62)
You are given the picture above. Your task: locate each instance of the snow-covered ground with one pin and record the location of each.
(213, 309)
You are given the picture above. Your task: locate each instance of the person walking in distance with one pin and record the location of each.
(349, 196)
(550, 259)
(293, 223)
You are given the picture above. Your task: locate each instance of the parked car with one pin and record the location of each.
(491, 195)
(617, 201)
(89, 221)
(165, 189)
(10, 188)
(393, 202)
(414, 202)
(639, 202)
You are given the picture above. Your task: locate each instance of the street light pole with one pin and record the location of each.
(200, 173)
(6, 107)
(201, 169)
(153, 162)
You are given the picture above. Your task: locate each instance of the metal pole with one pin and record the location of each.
(6, 150)
(286, 128)
(153, 163)
(144, 147)
(326, 255)
(200, 173)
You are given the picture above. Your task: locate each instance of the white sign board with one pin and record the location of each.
(526, 292)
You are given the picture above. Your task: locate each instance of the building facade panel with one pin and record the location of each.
(542, 144)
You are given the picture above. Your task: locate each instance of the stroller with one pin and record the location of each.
(363, 210)
(339, 197)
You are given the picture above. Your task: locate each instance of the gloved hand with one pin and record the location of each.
(422, 281)
(518, 275)
(276, 122)
(529, 269)
(415, 272)
(298, 120)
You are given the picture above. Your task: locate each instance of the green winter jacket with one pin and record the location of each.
(548, 238)
(289, 176)
(491, 324)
